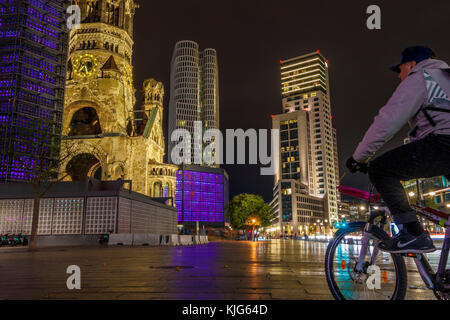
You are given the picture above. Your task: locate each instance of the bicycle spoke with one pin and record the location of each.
(375, 280)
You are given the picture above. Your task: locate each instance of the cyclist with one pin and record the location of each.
(422, 99)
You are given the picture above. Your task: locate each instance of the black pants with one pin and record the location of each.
(425, 158)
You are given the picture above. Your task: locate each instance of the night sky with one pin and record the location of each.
(251, 37)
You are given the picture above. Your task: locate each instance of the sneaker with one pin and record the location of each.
(404, 242)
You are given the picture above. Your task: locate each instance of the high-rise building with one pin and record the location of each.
(33, 56)
(194, 92)
(202, 191)
(308, 144)
(299, 211)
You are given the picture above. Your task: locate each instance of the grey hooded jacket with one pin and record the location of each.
(404, 106)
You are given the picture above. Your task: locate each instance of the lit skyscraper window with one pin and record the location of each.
(304, 74)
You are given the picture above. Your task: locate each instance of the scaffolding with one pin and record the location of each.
(33, 58)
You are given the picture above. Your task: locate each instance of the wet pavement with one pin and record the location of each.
(279, 269)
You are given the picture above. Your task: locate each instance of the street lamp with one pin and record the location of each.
(253, 223)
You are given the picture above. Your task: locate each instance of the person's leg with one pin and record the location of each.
(424, 158)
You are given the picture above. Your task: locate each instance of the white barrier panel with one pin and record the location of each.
(125, 239)
(164, 240)
(201, 239)
(197, 240)
(145, 239)
(204, 239)
(186, 240)
(173, 240)
(140, 239)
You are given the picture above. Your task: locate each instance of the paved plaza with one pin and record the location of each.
(279, 269)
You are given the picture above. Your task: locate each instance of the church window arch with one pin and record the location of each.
(85, 122)
(157, 190)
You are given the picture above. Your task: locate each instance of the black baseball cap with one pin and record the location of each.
(416, 53)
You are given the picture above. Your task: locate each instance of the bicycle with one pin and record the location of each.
(357, 270)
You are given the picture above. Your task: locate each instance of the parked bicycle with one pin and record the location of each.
(104, 238)
(13, 240)
(357, 270)
(3, 240)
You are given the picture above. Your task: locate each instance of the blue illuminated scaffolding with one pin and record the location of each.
(33, 55)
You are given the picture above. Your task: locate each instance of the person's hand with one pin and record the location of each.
(355, 166)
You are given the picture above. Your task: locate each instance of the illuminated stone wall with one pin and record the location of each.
(100, 117)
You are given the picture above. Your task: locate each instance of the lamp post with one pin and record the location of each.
(420, 199)
(319, 226)
(252, 222)
(430, 194)
(362, 209)
(253, 229)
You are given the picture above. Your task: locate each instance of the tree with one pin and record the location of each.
(41, 162)
(244, 208)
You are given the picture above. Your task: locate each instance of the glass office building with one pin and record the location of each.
(33, 52)
(202, 195)
(308, 148)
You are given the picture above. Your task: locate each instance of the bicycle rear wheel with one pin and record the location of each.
(385, 279)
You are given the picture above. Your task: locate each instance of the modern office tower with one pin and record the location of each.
(306, 100)
(194, 92)
(33, 55)
(299, 212)
(202, 191)
(202, 195)
(336, 163)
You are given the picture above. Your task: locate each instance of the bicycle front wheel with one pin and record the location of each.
(380, 276)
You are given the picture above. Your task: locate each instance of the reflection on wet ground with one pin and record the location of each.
(279, 269)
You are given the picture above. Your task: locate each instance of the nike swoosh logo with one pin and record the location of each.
(402, 245)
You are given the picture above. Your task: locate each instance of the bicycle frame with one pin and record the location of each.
(433, 280)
